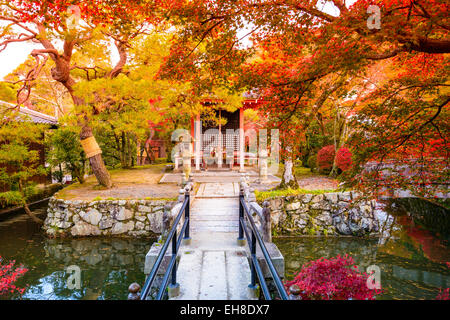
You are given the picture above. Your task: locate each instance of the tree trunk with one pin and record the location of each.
(288, 179)
(100, 171)
(78, 173)
(60, 180)
(130, 150)
(336, 140)
(339, 140)
(96, 162)
(26, 208)
(122, 149)
(32, 215)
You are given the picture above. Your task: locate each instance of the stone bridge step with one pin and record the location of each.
(213, 266)
(213, 275)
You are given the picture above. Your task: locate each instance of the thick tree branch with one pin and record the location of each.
(122, 49)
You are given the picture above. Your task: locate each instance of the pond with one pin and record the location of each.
(414, 264)
(108, 266)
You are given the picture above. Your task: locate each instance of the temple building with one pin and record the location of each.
(220, 144)
(39, 119)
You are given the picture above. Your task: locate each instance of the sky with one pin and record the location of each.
(16, 53)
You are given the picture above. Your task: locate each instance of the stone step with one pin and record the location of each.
(214, 202)
(207, 240)
(213, 283)
(213, 229)
(214, 223)
(213, 275)
(238, 275)
(229, 211)
(218, 190)
(217, 197)
(188, 274)
(215, 211)
(213, 266)
(213, 217)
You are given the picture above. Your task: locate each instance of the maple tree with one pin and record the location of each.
(333, 279)
(325, 157)
(47, 95)
(308, 59)
(314, 68)
(444, 294)
(82, 29)
(343, 159)
(8, 277)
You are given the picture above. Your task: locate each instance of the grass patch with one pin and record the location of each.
(263, 195)
(299, 172)
(64, 196)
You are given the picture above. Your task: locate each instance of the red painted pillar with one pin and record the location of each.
(241, 139)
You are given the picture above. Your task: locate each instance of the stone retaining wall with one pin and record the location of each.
(135, 218)
(322, 214)
(433, 217)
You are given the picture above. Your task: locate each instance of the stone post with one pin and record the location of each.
(267, 227)
(181, 195)
(186, 164)
(177, 159)
(166, 219)
(251, 195)
(262, 165)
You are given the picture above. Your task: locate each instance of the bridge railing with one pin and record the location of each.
(252, 240)
(175, 239)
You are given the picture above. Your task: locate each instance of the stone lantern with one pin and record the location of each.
(263, 165)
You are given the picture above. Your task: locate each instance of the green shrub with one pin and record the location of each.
(312, 163)
(160, 160)
(10, 198)
(302, 171)
(263, 195)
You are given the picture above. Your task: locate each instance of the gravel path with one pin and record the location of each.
(317, 183)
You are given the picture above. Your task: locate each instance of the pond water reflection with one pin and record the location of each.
(413, 263)
(107, 265)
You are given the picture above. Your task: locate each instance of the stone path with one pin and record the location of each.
(214, 176)
(218, 190)
(213, 266)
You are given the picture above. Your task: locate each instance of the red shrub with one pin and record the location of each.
(8, 276)
(333, 279)
(344, 159)
(325, 157)
(443, 294)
